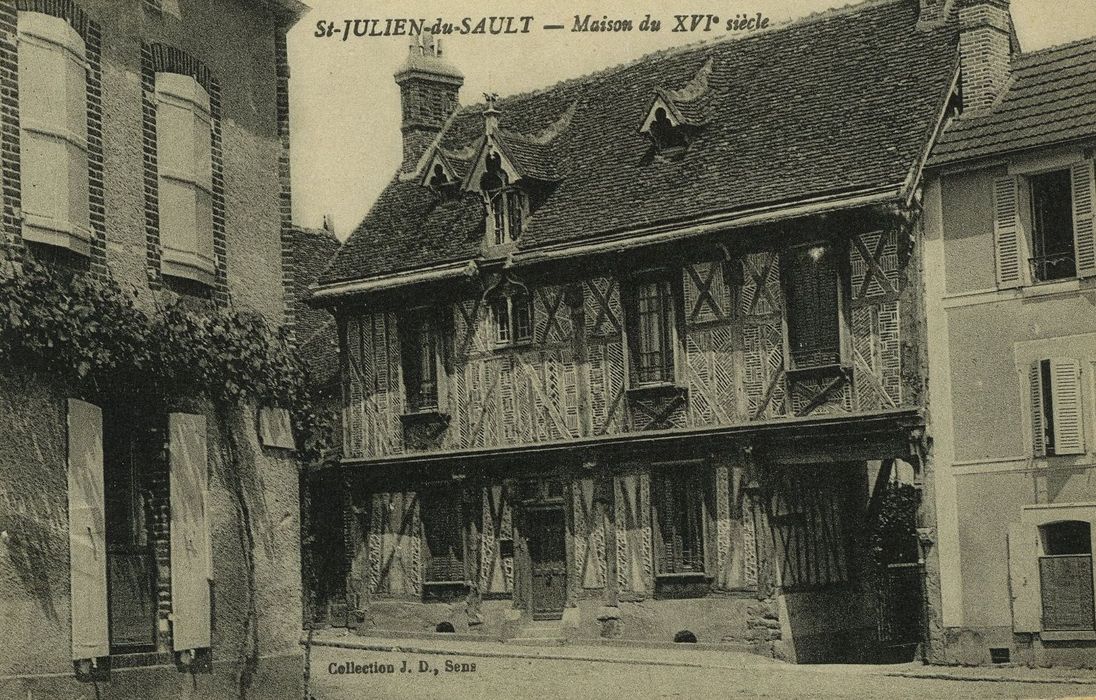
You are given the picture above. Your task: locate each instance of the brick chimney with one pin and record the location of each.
(985, 51)
(935, 12)
(429, 86)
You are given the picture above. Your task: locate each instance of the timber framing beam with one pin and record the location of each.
(812, 439)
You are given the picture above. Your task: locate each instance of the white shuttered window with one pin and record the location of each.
(87, 531)
(191, 564)
(184, 154)
(1006, 232)
(1083, 181)
(53, 132)
(1044, 225)
(1056, 407)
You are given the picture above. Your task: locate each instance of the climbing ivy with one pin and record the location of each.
(93, 337)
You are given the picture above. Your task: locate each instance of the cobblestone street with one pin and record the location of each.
(414, 673)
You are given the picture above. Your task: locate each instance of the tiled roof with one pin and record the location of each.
(313, 250)
(1050, 99)
(534, 160)
(837, 103)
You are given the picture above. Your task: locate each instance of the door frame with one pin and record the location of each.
(542, 506)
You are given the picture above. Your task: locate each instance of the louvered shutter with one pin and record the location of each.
(1038, 424)
(1065, 379)
(1006, 232)
(87, 531)
(1023, 573)
(1084, 226)
(191, 571)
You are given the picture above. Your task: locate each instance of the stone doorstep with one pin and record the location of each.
(533, 640)
(404, 634)
(527, 639)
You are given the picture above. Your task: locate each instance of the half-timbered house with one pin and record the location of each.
(634, 356)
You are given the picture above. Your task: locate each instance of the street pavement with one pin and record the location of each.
(430, 669)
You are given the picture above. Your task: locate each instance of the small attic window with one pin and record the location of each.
(665, 133)
(438, 178)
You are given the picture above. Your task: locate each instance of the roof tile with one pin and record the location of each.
(841, 102)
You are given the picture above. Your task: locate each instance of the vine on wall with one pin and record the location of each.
(91, 336)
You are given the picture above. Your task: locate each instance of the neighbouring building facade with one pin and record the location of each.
(320, 487)
(147, 548)
(1010, 257)
(641, 355)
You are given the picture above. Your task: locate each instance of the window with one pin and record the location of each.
(1056, 416)
(507, 214)
(1065, 576)
(1052, 226)
(443, 535)
(506, 204)
(53, 133)
(652, 331)
(678, 500)
(420, 363)
(135, 521)
(185, 160)
(666, 135)
(812, 297)
(131, 564)
(512, 317)
(1051, 216)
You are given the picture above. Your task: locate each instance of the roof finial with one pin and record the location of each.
(491, 112)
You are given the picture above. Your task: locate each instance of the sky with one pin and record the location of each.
(345, 106)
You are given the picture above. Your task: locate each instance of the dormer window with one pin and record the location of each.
(665, 134)
(507, 205)
(438, 178)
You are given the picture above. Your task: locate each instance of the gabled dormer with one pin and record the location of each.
(674, 117)
(664, 125)
(495, 175)
(514, 173)
(440, 173)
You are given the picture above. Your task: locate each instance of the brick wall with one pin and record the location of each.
(285, 206)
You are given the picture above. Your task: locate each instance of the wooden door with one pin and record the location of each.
(545, 533)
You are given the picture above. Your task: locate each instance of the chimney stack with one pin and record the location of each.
(985, 51)
(429, 87)
(935, 12)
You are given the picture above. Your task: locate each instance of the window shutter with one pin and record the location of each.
(1084, 226)
(1023, 573)
(1038, 425)
(1065, 378)
(53, 131)
(184, 159)
(87, 531)
(190, 550)
(1006, 232)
